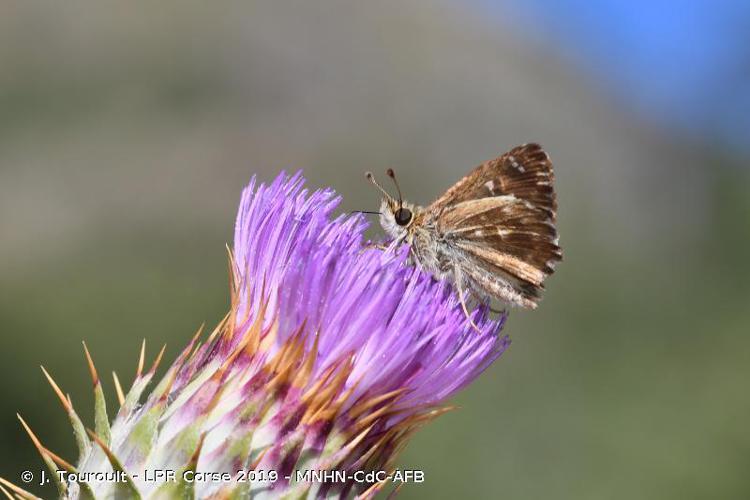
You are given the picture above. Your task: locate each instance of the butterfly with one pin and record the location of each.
(492, 234)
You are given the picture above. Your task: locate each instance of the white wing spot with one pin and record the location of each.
(490, 185)
(478, 233)
(516, 165)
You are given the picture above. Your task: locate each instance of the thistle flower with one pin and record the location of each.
(333, 353)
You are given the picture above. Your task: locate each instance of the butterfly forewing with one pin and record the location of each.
(524, 172)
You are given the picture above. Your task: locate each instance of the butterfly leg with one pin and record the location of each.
(458, 277)
(385, 248)
(371, 246)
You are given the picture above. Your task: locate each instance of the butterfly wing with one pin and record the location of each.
(500, 221)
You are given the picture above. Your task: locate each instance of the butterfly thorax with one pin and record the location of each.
(426, 247)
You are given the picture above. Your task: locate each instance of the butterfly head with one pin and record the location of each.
(396, 216)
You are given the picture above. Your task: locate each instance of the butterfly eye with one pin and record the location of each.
(403, 216)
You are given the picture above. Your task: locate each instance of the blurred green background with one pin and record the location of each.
(128, 130)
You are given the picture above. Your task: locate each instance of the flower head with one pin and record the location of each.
(332, 354)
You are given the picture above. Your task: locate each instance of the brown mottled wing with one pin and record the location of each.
(525, 172)
(501, 219)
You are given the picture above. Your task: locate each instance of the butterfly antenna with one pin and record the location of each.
(371, 178)
(392, 175)
(364, 212)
